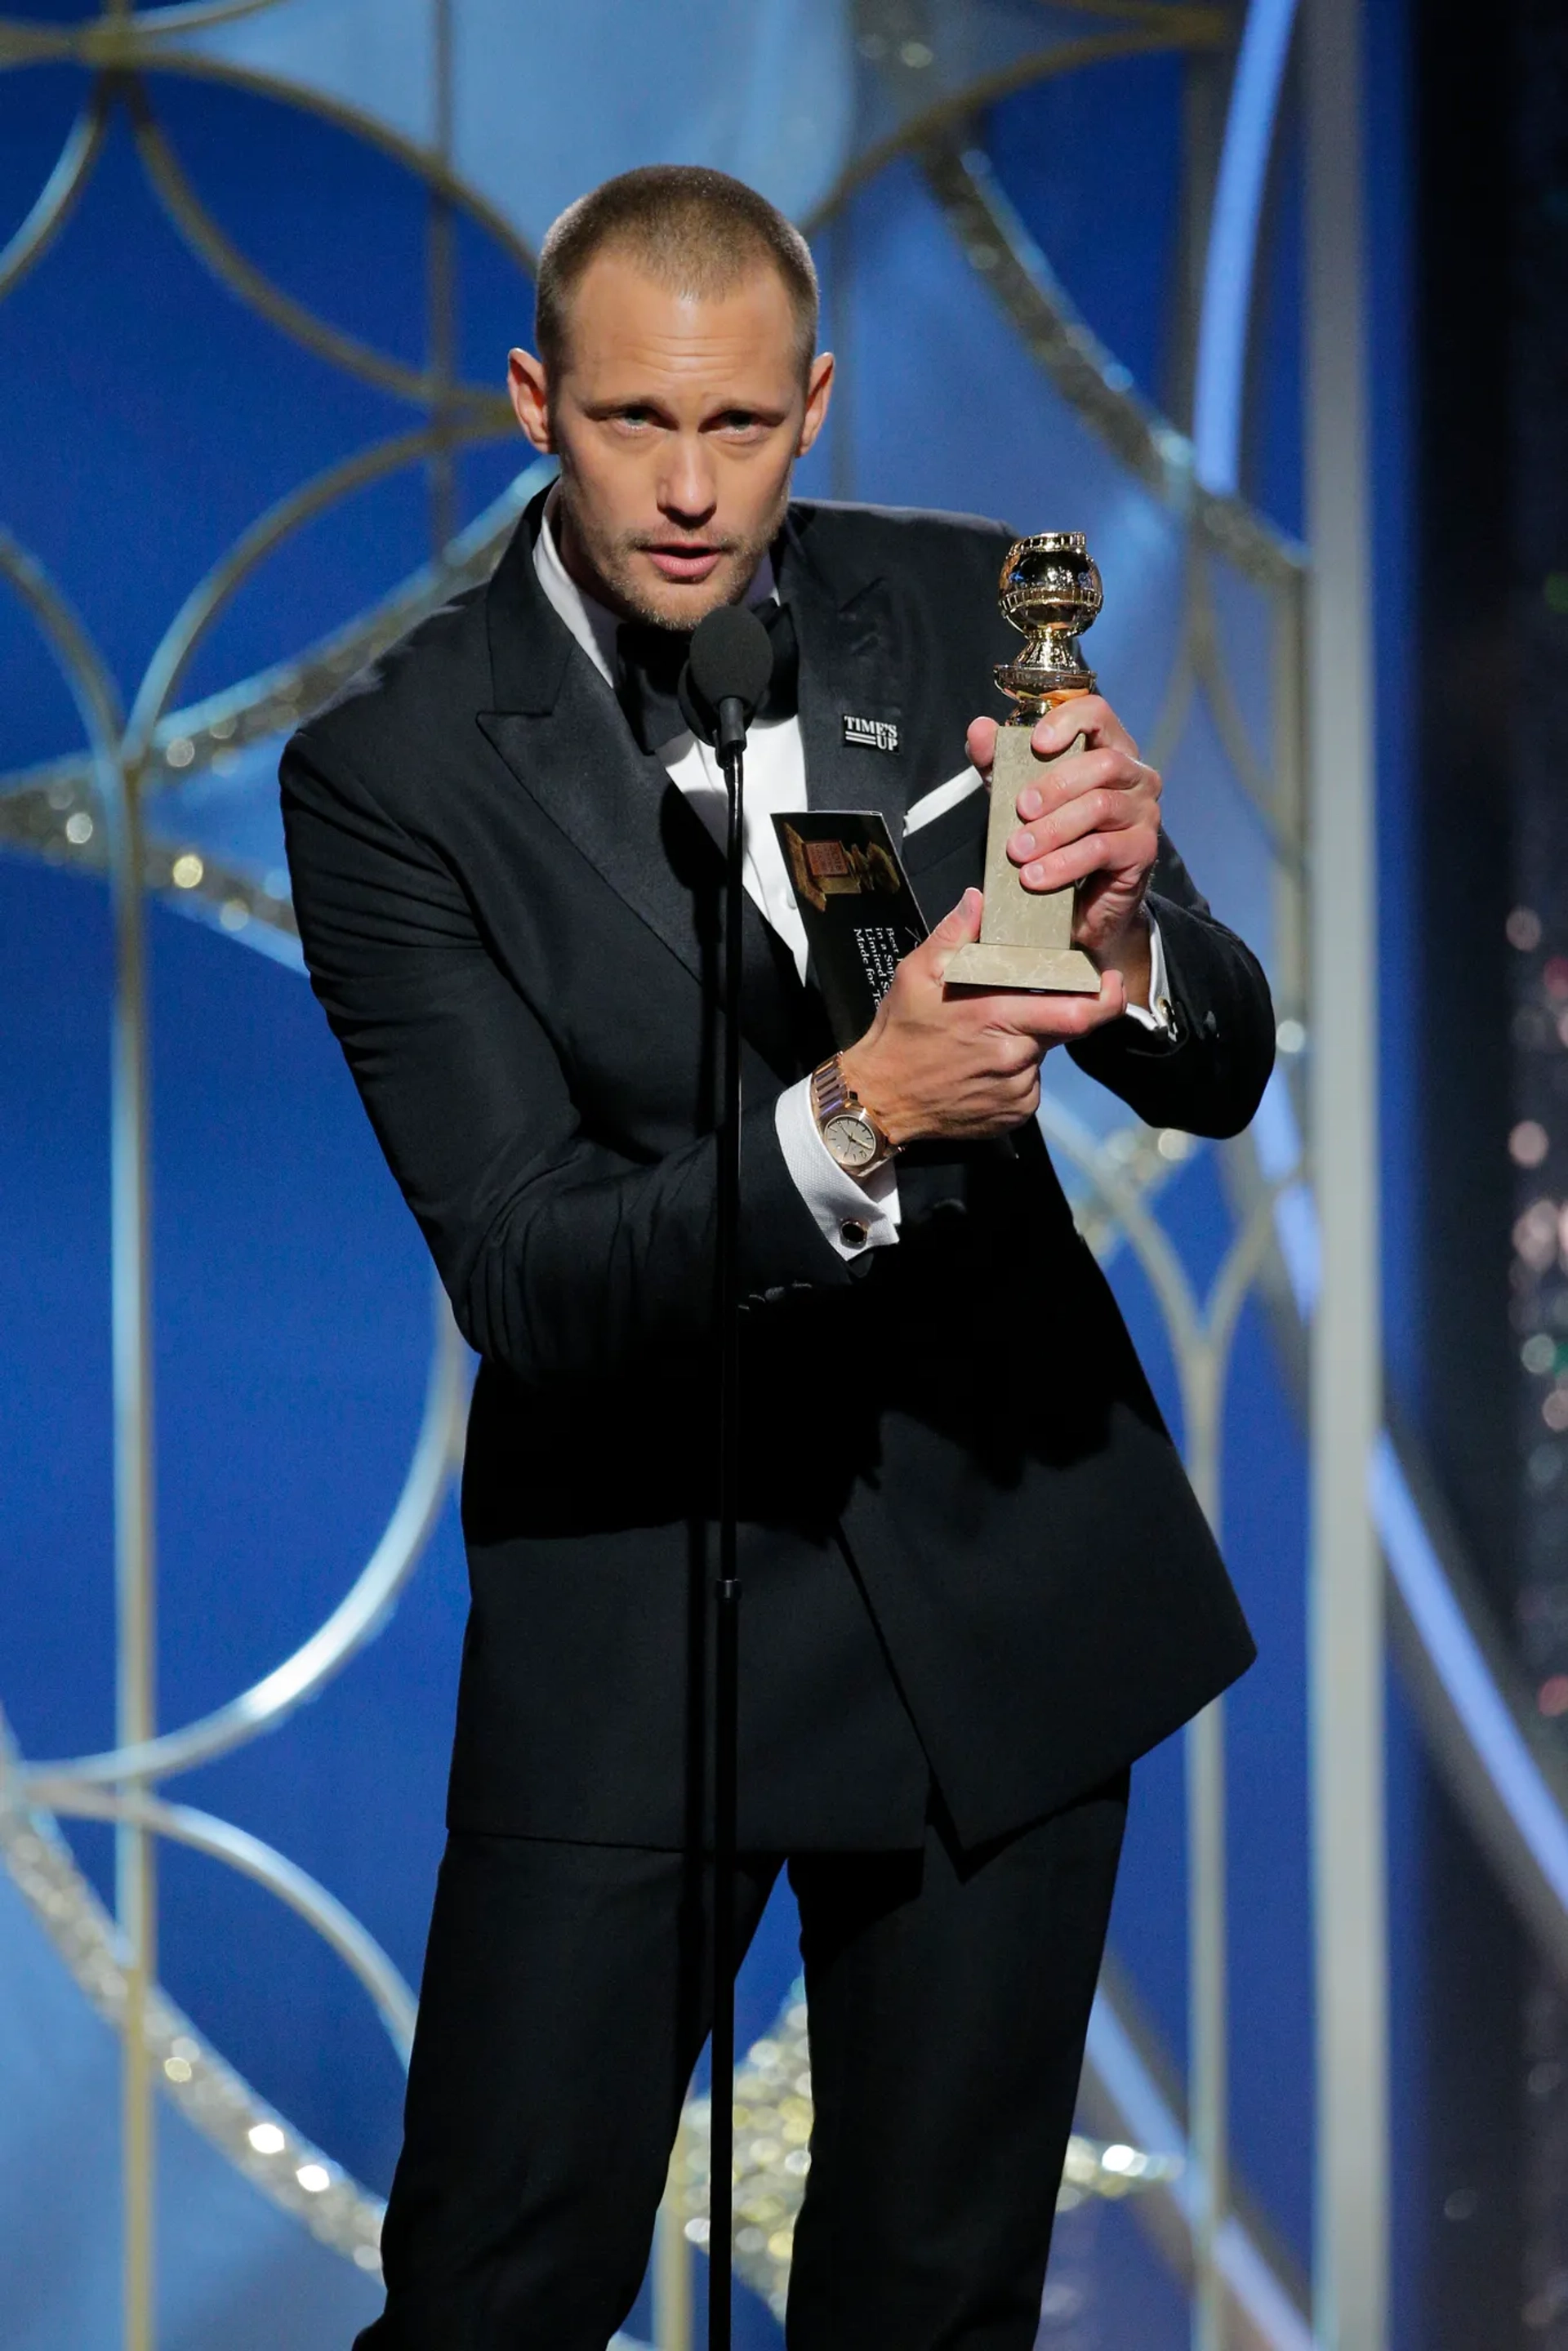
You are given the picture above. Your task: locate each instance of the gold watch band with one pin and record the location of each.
(832, 1096)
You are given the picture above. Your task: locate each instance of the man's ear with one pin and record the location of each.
(527, 381)
(818, 391)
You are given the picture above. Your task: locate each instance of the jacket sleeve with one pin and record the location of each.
(564, 1258)
(1210, 1079)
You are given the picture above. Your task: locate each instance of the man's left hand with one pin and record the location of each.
(1093, 821)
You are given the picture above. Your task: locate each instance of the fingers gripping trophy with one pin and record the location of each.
(1051, 591)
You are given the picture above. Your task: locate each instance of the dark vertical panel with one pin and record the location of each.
(1538, 599)
(1458, 1359)
(1470, 2242)
(1466, 750)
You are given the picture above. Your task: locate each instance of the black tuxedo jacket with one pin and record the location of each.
(969, 1549)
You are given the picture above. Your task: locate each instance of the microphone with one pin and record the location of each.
(726, 676)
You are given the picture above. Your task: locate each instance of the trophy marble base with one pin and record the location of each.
(1026, 935)
(1050, 971)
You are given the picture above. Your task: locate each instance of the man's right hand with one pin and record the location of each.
(963, 1063)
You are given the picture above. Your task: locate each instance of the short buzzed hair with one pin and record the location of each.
(693, 229)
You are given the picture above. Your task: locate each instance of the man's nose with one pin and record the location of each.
(687, 492)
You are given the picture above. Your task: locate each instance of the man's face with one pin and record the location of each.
(677, 419)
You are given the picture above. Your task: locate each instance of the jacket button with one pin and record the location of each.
(854, 1233)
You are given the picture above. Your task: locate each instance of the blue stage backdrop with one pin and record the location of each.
(184, 351)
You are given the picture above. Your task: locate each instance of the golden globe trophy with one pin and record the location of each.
(1051, 592)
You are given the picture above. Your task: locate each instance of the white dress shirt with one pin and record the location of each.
(851, 1214)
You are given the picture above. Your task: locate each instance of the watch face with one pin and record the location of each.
(849, 1139)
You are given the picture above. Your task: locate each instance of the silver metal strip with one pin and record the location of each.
(287, 2168)
(1346, 1635)
(1123, 2094)
(136, 1892)
(274, 700)
(221, 1841)
(1201, 1339)
(209, 595)
(57, 197)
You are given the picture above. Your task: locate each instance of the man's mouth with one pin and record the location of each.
(685, 565)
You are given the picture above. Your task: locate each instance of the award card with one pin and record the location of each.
(860, 913)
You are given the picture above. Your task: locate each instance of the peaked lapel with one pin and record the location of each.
(562, 734)
(849, 668)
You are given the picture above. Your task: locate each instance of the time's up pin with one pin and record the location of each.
(872, 734)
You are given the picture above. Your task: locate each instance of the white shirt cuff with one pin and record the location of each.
(851, 1217)
(1159, 987)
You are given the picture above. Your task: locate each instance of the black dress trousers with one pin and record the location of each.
(564, 2005)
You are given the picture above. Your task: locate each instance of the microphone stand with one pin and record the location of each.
(726, 1630)
(727, 673)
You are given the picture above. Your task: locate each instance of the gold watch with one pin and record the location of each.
(848, 1128)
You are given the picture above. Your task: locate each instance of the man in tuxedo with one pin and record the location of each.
(977, 1583)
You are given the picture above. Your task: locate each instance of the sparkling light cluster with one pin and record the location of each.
(1538, 1147)
(210, 2096)
(773, 2115)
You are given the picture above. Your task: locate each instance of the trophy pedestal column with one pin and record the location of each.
(1026, 935)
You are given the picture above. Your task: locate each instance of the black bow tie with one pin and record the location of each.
(650, 662)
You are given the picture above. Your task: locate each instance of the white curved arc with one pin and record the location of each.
(1480, 1708)
(91, 684)
(1191, 1324)
(196, 16)
(1150, 1243)
(1221, 369)
(1243, 1261)
(355, 1621)
(359, 470)
(1453, 1650)
(204, 1833)
(53, 205)
(114, 35)
(86, 672)
(1253, 2284)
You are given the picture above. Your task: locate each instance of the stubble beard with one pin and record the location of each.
(612, 559)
